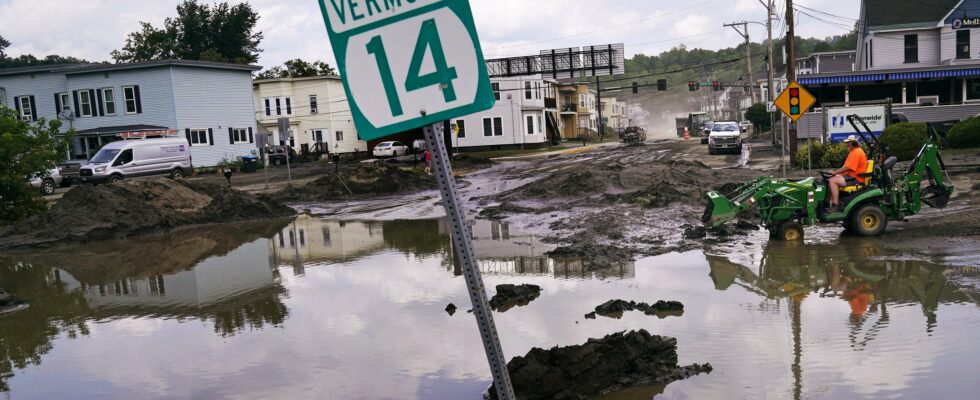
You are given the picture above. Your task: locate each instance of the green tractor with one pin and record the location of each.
(786, 206)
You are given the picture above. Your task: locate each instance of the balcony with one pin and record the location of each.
(550, 103)
(569, 109)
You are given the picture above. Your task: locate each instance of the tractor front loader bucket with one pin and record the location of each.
(720, 210)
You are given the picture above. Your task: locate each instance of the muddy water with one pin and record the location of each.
(349, 310)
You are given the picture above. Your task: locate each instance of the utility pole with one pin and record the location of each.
(772, 70)
(791, 67)
(748, 52)
(598, 95)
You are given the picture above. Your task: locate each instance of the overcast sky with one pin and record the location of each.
(90, 29)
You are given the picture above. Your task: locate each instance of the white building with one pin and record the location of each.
(318, 113)
(518, 119)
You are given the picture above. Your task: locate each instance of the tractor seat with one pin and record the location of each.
(868, 174)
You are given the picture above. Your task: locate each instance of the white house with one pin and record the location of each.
(517, 120)
(318, 112)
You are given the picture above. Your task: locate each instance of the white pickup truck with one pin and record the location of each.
(725, 136)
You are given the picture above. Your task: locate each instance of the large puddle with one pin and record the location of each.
(350, 310)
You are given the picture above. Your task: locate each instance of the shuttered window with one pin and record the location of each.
(108, 101)
(199, 137)
(132, 100)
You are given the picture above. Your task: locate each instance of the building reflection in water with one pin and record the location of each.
(500, 249)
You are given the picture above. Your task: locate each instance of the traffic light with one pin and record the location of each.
(636, 88)
(661, 84)
(794, 101)
(715, 85)
(692, 86)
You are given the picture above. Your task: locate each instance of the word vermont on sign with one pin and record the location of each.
(407, 63)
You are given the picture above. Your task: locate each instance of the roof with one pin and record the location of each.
(305, 78)
(905, 14)
(38, 68)
(70, 69)
(120, 129)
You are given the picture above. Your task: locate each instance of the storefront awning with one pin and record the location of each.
(934, 73)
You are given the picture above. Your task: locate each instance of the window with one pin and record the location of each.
(537, 90)
(911, 49)
(539, 124)
(108, 101)
(239, 135)
(64, 102)
(488, 127)
(278, 106)
(871, 52)
(26, 106)
(199, 137)
(461, 128)
(289, 106)
(527, 90)
(318, 136)
(581, 101)
(496, 90)
(85, 103)
(131, 96)
(530, 124)
(340, 136)
(963, 44)
(313, 106)
(498, 126)
(124, 158)
(268, 108)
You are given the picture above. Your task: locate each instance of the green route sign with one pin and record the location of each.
(407, 63)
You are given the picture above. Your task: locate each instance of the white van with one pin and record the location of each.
(141, 157)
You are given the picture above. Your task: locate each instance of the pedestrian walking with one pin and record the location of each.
(428, 162)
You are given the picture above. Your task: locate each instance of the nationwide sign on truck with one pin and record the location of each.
(876, 116)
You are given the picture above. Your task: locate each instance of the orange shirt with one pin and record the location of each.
(857, 161)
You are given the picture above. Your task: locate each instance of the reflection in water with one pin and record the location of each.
(852, 272)
(205, 273)
(500, 250)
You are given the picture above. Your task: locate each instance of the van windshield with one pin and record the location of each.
(104, 156)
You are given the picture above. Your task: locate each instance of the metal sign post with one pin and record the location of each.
(285, 133)
(464, 250)
(404, 67)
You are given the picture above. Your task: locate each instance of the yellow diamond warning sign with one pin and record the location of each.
(795, 101)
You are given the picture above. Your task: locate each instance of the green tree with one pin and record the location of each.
(26, 150)
(759, 116)
(298, 68)
(4, 44)
(218, 32)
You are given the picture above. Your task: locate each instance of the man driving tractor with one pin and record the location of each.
(849, 174)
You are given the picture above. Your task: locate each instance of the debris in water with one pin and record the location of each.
(9, 303)
(508, 296)
(138, 207)
(451, 309)
(599, 366)
(616, 308)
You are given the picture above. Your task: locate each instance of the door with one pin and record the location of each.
(124, 163)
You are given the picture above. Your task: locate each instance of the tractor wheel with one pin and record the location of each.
(868, 220)
(790, 231)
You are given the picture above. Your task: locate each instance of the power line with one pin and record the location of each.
(853, 20)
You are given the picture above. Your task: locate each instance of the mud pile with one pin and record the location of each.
(138, 207)
(599, 366)
(362, 180)
(509, 296)
(616, 308)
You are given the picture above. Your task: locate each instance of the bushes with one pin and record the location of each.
(904, 139)
(965, 134)
(759, 117)
(825, 155)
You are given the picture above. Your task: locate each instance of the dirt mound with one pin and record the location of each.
(362, 180)
(138, 207)
(509, 296)
(599, 366)
(616, 308)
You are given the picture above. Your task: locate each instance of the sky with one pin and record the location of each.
(91, 29)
